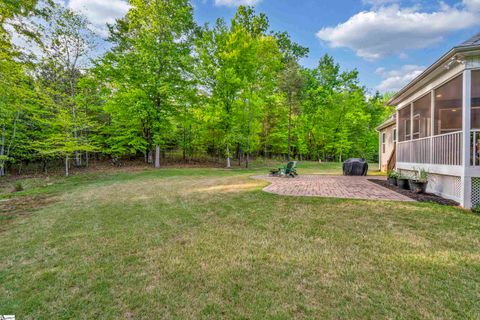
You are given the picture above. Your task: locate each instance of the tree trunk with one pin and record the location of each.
(78, 161)
(74, 116)
(66, 166)
(157, 156)
(229, 164)
(2, 152)
(248, 139)
(239, 154)
(289, 124)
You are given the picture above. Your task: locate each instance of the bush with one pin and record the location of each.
(19, 186)
(476, 208)
(393, 174)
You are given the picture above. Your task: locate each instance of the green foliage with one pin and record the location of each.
(19, 186)
(232, 90)
(393, 174)
(476, 208)
(421, 175)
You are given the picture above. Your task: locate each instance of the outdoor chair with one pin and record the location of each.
(290, 170)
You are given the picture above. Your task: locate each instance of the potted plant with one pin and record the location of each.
(420, 182)
(392, 177)
(402, 182)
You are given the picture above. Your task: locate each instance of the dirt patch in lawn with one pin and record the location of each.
(22, 206)
(422, 197)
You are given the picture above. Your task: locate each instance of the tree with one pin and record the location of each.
(166, 85)
(67, 43)
(16, 92)
(148, 69)
(241, 62)
(291, 82)
(13, 91)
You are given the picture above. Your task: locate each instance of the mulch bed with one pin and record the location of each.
(422, 197)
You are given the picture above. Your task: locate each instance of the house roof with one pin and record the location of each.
(387, 123)
(471, 44)
(475, 40)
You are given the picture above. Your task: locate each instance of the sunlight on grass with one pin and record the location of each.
(196, 244)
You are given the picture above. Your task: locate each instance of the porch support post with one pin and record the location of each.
(411, 121)
(411, 132)
(432, 124)
(397, 125)
(466, 196)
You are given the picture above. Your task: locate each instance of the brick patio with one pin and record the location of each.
(330, 186)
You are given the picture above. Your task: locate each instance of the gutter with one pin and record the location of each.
(386, 124)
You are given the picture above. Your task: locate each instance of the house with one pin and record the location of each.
(436, 126)
(388, 140)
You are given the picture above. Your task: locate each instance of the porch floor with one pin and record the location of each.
(331, 186)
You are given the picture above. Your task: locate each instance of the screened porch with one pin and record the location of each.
(434, 128)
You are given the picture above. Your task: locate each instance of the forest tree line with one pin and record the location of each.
(232, 91)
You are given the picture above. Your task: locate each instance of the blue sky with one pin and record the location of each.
(388, 41)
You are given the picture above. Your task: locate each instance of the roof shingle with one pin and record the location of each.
(475, 40)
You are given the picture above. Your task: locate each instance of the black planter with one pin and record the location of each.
(392, 181)
(418, 186)
(403, 184)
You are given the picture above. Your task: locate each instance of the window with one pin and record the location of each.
(475, 99)
(404, 124)
(383, 142)
(448, 107)
(422, 109)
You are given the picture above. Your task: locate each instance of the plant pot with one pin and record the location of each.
(392, 181)
(418, 186)
(403, 184)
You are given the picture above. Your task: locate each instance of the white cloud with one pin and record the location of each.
(472, 5)
(378, 3)
(100, 12)
(392, 30)
(236, 3)
(394, 80)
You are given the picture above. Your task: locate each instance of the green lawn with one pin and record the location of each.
(209, 244)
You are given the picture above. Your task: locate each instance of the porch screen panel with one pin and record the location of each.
(422, 110)
(404, 116)
(476, 99)
(448, 107)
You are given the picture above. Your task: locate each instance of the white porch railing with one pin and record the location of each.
(444, 149)
(475, 142)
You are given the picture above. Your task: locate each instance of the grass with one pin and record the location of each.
(209, 244)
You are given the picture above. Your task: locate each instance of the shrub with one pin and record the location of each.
(476, 208)
(393, 174)
(19, 186)
(422, 175)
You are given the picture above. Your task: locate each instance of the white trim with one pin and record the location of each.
(466, 194)
(433, 85)
(447, 196)
(442, 169)
(432, 120)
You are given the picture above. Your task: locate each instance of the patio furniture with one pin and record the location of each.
(290, 170)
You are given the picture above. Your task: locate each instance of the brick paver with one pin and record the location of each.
(331, 186)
